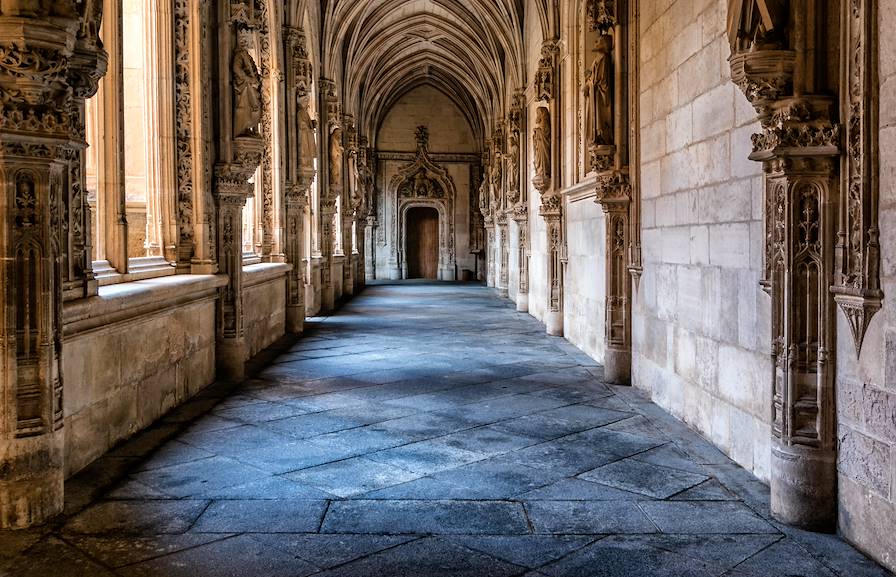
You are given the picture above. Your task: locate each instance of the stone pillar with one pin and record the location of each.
(370, 248)
(241, 151)
(609, 144)
(490, 251)
(517, 197)
(232, 188)
(294, 243)
(546, 158)
(300, 173)
(799, 147)
(331, 189)
(614, 195)
(52, 61)
(521, 216)
(349, 203)
(504, 252)
(552, 212)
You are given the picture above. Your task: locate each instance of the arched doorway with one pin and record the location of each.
(422, 250)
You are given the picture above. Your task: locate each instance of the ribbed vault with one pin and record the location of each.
(379, 50)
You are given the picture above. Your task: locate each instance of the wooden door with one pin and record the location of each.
(422, 248)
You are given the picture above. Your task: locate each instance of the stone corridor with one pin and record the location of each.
(425, 429)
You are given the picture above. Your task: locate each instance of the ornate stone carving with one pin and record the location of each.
(544, 76)
(424, 183)
(798, 146)
(50, 58)
(857, 287)
(602, 14)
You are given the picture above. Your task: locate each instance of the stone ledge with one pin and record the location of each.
(128, 301)
(261, 273)
(584, 190)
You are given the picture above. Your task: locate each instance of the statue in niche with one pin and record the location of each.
(307, 127)
(246, 91)
(496, 180)
(513, 167)
(599, 95)
(336, 152)
(756, 24)
(541, 143)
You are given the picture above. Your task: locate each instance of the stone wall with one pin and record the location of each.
(265, 302)
(140, 349)
(449, 133)
(700, 336)
(866, 387)
(131, 354)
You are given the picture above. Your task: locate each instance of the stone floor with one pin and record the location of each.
(425, 430)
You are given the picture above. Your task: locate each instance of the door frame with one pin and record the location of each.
(446, 266)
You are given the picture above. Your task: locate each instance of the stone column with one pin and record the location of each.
(232, 188)
(490, 251)
(799, 148)
(614, 195)
(517, 197)
(241, 151)
(504, 252)
(52, 61)
(521, 216)
(349, 194)
(546, 158)
(300, 173)
(294, 243)
(370, 248)
(552, 213)
(609, 144)
(329, 192)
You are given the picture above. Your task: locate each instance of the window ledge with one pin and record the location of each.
(138, 269)
(130, 300)
(261, 273)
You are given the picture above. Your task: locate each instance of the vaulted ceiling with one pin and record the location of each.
(378, 50)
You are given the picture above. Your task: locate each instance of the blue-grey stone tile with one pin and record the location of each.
(426, 517)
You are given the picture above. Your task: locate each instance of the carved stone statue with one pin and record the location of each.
(541, 143)
(336, 152)
(307, 127)
(496, 178)
(513, 165)
(599, 95)
(246, 92)
(756, 24)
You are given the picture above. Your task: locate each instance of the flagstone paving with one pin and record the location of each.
(424, 430)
